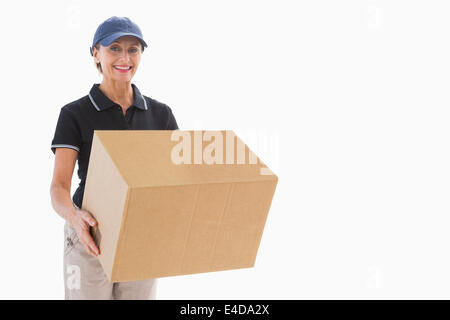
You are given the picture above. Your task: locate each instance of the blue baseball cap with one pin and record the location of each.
(113, 28)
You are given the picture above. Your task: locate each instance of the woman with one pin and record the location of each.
(114, 104)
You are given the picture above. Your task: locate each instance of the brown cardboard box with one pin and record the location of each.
(175, 202)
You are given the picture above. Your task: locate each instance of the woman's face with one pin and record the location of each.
(120, 59)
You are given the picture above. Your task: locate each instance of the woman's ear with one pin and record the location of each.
(94, 54)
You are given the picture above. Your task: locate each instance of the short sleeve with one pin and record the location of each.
(67, 132)
(171, 122)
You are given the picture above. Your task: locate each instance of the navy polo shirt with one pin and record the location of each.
(95, 111)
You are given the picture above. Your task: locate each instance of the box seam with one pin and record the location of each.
(206, 183)
(190, 227)
(227, 204)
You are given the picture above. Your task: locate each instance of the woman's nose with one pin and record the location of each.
(125, 55)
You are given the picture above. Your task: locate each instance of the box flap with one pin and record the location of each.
(147, 158)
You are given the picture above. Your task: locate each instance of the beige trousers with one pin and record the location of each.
(84, 277)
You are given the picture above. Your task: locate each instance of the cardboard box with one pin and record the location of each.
(172, 202)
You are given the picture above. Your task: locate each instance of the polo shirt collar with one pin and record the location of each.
(101, 102)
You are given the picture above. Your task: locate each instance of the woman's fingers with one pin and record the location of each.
(88, 218)
(88, 250)
(85, 219)
(88, 242)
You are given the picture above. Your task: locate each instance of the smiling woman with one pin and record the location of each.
(114, 104)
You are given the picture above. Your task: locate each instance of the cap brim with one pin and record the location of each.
(113, 37)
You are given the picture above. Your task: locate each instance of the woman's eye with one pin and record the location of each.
(134, 50)
(114, 48)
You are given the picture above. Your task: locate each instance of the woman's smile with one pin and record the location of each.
(123, 69)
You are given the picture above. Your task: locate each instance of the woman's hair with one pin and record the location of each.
(98, 65)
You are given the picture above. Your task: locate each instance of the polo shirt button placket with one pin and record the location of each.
(124, 119)
(128, 117)
(119, 108)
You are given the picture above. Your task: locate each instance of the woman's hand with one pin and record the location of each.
(81, 221)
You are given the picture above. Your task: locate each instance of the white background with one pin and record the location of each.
(346, 101)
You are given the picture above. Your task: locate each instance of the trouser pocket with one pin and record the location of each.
(70, 238)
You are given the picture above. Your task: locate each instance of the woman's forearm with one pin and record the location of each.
(61, 202)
